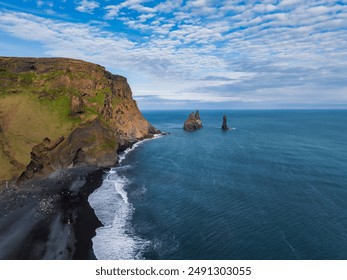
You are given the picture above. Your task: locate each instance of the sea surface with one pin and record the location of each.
(272, 187)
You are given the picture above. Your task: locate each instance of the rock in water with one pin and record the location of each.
(224, 125)
(193, 122)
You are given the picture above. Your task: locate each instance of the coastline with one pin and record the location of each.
(50, 218)
(87, 222)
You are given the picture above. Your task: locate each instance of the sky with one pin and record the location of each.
(195, 54)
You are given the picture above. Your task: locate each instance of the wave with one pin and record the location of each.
(123, 155)
(116, 239)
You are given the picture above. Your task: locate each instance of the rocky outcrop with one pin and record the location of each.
(224, 125)
(193, 122)
(49, 98)
(39, 157)
(87, 145)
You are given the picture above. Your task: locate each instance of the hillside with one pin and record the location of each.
(57, 113)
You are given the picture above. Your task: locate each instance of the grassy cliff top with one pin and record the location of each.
(46, 97)
(51, 98)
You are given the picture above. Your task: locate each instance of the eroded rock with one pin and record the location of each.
(193, 122)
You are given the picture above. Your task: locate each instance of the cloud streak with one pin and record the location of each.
(287, 52)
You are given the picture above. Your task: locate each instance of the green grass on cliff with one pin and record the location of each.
(26, 120)
(12, 83)
(35, 105)
(61, 107)
(99, 98)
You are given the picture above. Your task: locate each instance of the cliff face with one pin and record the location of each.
(57, 113)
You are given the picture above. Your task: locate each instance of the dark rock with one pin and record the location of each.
(40, 157)
(193, 122)
(88, 145)
(224, 125)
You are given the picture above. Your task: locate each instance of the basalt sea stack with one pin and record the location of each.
(193, 122)
(224, 125)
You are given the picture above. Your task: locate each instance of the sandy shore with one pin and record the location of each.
(49, 218)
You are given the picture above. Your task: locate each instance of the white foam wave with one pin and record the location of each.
(119, 185)
(116, 240)
(123, 155)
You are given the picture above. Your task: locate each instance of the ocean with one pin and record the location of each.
(272, 187)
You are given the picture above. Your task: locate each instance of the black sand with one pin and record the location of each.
(49, 218)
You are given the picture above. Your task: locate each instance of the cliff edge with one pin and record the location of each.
(57, 113)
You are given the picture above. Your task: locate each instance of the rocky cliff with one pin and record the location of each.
(57, 113)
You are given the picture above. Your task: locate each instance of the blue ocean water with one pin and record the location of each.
(273, 187)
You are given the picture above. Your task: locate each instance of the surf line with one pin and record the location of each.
(123, 155)
(120, 187)
(116, 239)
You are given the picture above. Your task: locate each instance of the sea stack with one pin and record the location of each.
(193, 122)
(224, 125)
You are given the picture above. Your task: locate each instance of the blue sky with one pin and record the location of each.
(206, 54)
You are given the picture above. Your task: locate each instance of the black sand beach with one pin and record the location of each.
(49, 218)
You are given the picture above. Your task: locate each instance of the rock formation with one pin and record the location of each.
(58, 113)
(224, 125)
(193, 122)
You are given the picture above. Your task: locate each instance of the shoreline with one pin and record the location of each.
(50, 218)
(87, 222)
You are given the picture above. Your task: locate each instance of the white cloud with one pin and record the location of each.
(112, 11)
(290, 2)
(87, 6)
(249, 52)
(199, 3)
(145, 17)
(168, 5)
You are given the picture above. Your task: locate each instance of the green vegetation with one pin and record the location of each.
(28, 121)
(52, 75)
(60, 106)
(13, 83)
(26, 79)
(91, 111)
(38, 101)
(116, 101)
(38, 106)
(99, 98)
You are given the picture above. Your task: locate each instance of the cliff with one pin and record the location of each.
(58, 113)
